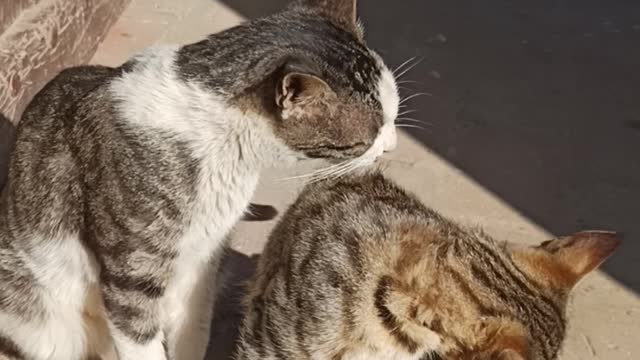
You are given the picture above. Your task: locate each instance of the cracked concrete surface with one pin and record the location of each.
(534, 133)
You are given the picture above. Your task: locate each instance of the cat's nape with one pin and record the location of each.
(125, 182)
(359, 269)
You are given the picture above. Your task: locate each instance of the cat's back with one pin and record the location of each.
(63, 94)
(43, 167)
(367, 204)
(43, 130)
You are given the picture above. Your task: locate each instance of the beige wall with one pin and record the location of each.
(38, 38)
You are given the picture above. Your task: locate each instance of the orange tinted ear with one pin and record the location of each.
(582, 252)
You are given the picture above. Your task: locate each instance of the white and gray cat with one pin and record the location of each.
(124, 182)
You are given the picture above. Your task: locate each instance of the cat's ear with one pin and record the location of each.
(582, 252)
(297, 88)
(343, 12)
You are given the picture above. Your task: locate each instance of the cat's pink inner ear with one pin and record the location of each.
(296, 88)
(344, 12)
(582, 252)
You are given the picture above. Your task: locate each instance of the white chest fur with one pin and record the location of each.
(222, 196)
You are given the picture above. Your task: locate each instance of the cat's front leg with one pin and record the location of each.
(134, 319)
(189, 304)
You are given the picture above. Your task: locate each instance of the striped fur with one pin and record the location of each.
(359, 269)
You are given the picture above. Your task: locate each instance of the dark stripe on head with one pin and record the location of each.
(519, 277)
(464, 286)
(537, 312)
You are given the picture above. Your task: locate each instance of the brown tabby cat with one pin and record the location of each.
(359, 269)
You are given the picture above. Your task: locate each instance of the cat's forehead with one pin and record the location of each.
(365, 72)
(342, 55)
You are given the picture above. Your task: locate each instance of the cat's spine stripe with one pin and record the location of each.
(463, 285)
(517, 277)
(388, 319)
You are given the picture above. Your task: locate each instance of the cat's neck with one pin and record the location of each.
(152, 96)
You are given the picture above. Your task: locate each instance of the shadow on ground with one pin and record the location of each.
(538, 101)
(7, 136)
(236, 270)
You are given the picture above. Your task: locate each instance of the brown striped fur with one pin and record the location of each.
(359, 269)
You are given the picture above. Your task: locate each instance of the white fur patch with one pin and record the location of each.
(64, 269)
(390, 101)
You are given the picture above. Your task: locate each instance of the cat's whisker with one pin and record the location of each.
(402, 65)
(408, 112)
(412, 120)
(346, 171)
(349, 166)
(405, 71)
(414, 96)
(333, 174)
(345, 168)
(327, 174)
(329, 169)
(408, 82)
(353, 166)
(314, 172)
(411, 126)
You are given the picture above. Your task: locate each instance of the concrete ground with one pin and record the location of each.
(535, 131)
